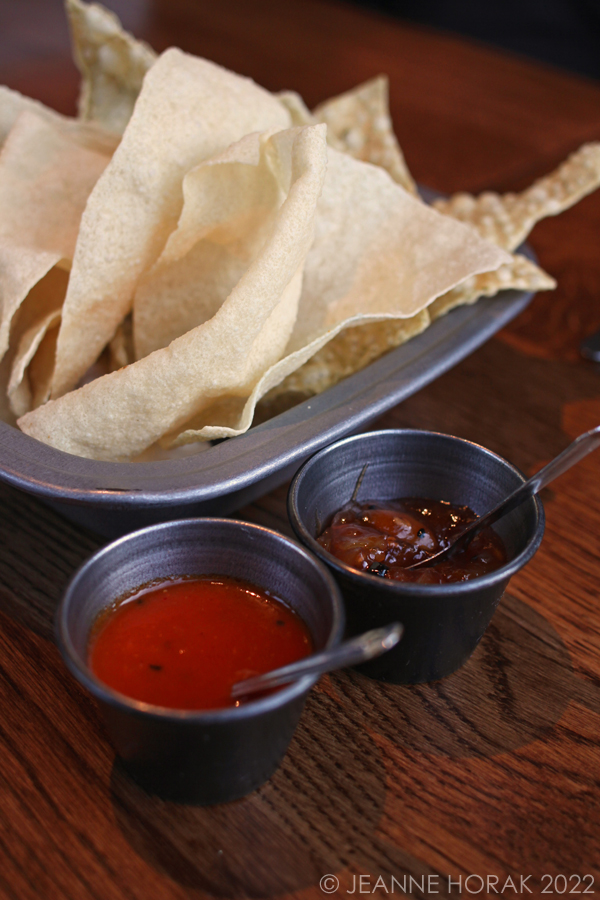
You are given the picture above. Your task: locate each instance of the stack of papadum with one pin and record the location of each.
(208, 245)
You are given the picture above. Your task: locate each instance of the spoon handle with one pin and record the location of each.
(590, 347)
(575, 452)
(359, 649)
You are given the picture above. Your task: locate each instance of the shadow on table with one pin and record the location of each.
(281, 838)
(512, 691)
(321, 811)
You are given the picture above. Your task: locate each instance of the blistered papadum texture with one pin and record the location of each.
(348, 352)
(188, 110)
(359, 123)
(354, 348)
(120, 414)
(519, 274)
(31, 373)
(229, 209)
(379, 255)
(48, 168)
(507, 219)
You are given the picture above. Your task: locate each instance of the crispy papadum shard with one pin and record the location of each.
(41, 368)
(378, 254)
(29, 385)
(229, 210)
(233, 417)
(519, 274)
(507, 219)
(43, 299)
(297, 108)
(21, 269)
(359, 123)
(188, 110)
(88, 134)
(112, 64)
(46, 176)
(119, 415)
(349, 352)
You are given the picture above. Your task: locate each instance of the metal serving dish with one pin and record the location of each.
(115, 498)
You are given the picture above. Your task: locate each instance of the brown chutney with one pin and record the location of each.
(384, 537)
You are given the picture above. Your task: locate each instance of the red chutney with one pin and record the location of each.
(383, 537)
(184, 643)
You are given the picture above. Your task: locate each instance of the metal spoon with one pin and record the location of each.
(590, 347)
(575, 452)
(359, 649)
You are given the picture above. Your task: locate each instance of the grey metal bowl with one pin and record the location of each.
(113, 498)
(443, 623)
(217, 755)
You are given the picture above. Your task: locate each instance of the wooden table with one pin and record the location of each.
(492, 772)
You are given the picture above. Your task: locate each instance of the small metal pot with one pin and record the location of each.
(217, 755)
(443, 623)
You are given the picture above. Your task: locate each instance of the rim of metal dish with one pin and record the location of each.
(282, 442)
(106, 694)
(404, 588)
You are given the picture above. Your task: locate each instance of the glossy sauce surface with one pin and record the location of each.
(383, 537)
(183, 644)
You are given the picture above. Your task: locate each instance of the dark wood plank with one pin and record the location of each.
(493, 771)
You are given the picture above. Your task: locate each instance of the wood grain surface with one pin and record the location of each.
(492, 772)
